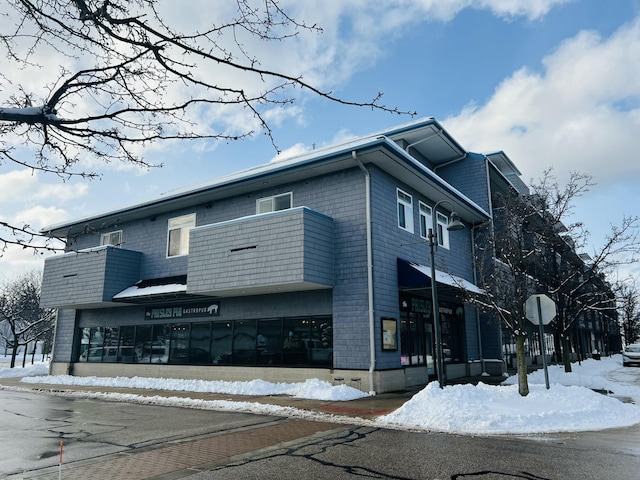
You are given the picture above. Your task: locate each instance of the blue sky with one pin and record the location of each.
(553, 83)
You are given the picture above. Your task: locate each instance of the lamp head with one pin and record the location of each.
(455, 223)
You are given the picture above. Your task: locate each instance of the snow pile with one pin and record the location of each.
(38, 368)
(486, 409)
(311, 389)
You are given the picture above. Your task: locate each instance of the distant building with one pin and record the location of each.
(311, 267)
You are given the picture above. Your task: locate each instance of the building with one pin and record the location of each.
(311, 267)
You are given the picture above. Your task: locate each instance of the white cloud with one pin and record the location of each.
(26, 186)
(580, 113)
(300, 148)
(40, 216)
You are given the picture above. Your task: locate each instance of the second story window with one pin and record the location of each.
(178, 235)
(425, 220)
(405, 211)
(443, 233)
(275, 203)
(111, 238)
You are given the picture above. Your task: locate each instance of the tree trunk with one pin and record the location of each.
(566, 353)
(523, 382)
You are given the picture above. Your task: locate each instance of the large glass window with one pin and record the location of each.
(178, 234)
(179, 349)
(269, 342)
(221, 342)
(244, 342)
(275, 203)
(321, 342)
(200, 347)
(143, 344)
(405, 211)
(306, 341)
(160, 340)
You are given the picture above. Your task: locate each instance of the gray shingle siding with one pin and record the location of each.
(88, 277)
(281, 248)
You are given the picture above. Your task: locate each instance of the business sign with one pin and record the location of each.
(209, 309)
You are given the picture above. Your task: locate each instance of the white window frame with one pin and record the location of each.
(405, 210)
(425, 219)
(442, 221)
(426, 222)
(107, 238)
(182, 225)
(268, 204)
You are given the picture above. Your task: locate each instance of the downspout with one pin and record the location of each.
(475, 281)
(372, 338)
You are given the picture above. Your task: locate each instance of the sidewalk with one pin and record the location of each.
(367, 408)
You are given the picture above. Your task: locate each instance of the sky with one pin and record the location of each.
(552, 83)
(569, 405)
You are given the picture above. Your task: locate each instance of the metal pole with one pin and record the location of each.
(435, 308)
(542, 344)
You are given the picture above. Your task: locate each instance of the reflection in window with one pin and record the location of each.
(199, 351)
(221, 342)
(244, 342)
(160, 338)
(143, 344)
(179, 351)
(268, 342)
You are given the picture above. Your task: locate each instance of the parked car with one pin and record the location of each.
(631, 355)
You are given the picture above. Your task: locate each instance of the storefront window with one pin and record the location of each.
(298, 341)
(295, 344)
(199, 351)
(244, 342)
(268, 342)
(179, 350)
(221, 342)
(321, 342)
(143, 344)
(160, 338)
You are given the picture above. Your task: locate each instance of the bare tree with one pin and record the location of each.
(20, 311)
(533, 249)
(131, 77)
(629, 308)
(503, 262)
(577, 282)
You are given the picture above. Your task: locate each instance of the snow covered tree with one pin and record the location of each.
(130, 73)
(20, 311)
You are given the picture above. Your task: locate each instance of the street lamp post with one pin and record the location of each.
(453, 224)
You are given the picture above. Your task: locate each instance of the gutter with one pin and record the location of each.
(372, 344)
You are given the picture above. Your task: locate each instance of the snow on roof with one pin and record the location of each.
(448, 279)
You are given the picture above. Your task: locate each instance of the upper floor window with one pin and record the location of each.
(405, 211)
(425, 219)
(111, 238)
(178, 235)
(426, 222)
(443, 234)
(275, 203)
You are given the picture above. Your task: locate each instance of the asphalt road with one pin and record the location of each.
(119, 440)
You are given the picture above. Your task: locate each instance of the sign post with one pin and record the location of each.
(540, 310)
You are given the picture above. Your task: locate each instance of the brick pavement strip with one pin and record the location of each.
(191, 455)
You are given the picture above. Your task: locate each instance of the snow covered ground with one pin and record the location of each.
(571, 404)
